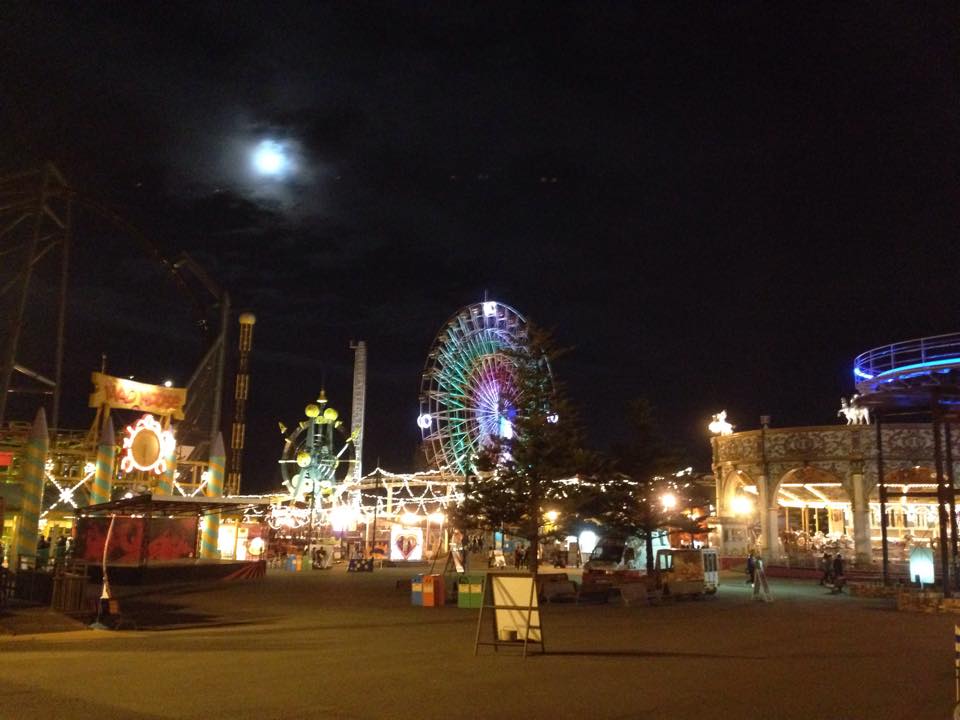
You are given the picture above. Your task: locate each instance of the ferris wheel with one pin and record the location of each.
(310, 460)
(468, 392)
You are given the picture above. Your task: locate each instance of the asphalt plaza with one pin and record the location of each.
(327, 644)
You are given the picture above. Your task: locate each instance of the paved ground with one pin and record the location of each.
(332, 645)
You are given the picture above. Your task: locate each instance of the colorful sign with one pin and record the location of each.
(124, 394)
(406, 543)
(147, 446)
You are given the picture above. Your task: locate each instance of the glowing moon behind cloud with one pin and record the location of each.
(270, 159)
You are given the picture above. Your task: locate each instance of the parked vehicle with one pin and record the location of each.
(683, 571)
(618, 554)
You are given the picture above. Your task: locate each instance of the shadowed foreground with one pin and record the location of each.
(332, 645)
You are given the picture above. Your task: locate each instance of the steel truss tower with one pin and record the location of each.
(359, 403)
(35, 226)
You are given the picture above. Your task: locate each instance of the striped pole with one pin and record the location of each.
(33, 478)
(106, 455)
(214, 488)
(165, 481)
(956, 661)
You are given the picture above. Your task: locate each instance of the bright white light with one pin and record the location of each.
(741, 505)
(437, 518)
(424, 421)
(256, 546)
(342, 517)
(553, 418)
(489, 308)
(506, 429)
(719, 424)
(168, 383)
(269, 159)
(551, 515)
(588, 541)
(921, 563)
(410, 519)
(668, 500)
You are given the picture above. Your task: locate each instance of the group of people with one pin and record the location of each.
(62, 549)
(519, 556)
(832, 568)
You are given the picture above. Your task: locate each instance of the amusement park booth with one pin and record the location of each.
(159, 538)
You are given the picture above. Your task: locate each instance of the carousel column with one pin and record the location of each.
(769, 521)
(214, 488)
(861, 522)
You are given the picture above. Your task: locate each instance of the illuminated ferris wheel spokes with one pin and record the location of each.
(468, 392)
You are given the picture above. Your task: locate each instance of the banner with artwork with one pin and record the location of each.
(124, 394)
(126, 542)
(170, 539)
(406, 544)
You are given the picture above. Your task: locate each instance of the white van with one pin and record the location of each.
(617, 554)
(688, 572)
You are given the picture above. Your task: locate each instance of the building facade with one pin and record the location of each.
(792, 492)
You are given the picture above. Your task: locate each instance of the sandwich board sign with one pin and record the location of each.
(510, 605)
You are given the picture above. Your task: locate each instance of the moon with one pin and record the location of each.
(270, 159)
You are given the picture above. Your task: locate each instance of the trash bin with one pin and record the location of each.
(433, 594)
(470, 591)
(416, 590)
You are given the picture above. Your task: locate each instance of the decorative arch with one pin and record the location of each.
(733, 481)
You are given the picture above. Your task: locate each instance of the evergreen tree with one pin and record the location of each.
(531, 470)
(641, 494)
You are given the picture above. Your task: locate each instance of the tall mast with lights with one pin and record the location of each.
(240, 394)
(359, 402)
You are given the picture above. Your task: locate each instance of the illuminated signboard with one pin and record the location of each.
(146, 446)
(124, 394)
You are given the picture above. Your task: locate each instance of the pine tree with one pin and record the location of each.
(642, 493)
(533, 470)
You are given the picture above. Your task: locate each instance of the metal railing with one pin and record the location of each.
(921, 354)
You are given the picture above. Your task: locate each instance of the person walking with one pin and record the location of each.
(826, 565)
(837, 567)
(751, 568)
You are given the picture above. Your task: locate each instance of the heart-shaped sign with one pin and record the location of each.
(406, 544)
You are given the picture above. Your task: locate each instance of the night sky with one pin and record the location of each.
(716, 206)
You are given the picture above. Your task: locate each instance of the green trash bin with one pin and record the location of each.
(470, 591)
